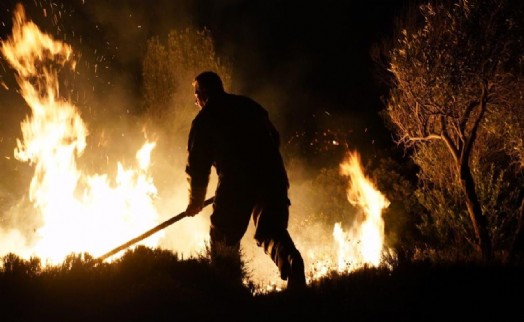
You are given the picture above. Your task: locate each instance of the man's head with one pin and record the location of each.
(207, 85)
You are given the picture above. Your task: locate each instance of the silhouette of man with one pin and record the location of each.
(234, 134)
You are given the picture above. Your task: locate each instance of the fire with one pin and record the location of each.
(93, 213)
(363, 244)
(80, 212)
(344, 251)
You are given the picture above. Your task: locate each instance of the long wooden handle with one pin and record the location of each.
(148, 233)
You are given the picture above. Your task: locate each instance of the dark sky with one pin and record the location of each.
(315, 55)
(318, 52)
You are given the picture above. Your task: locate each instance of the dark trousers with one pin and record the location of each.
(235, 204)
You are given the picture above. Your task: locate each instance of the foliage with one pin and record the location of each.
(329, 188)
(456, 104)
(169, 68)
(14, 266)
(143, 281)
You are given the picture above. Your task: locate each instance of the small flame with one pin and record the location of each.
(80, 212)
(363, 244)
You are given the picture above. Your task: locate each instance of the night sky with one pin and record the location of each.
(316, 53)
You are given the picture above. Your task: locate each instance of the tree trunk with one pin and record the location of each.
(478, 220)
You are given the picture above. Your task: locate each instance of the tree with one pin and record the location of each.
(168, 70)
(457, 104)
(169, 67)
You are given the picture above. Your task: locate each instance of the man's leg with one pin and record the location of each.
(286, 256)
(271, 234)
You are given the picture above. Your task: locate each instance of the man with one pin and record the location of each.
(233, 133)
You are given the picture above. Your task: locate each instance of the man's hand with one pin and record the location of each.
(193, 209)
(197, 197)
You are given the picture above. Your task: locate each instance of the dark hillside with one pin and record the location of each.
(155, 285)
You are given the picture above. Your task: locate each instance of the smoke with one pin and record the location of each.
(109, 39)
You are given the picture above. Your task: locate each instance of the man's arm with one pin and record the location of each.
(198, 167)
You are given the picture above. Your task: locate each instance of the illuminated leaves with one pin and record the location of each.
(456, 103)
(169, 66)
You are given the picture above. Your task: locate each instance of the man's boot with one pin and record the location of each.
(286, 256)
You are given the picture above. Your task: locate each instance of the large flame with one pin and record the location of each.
(80, 212)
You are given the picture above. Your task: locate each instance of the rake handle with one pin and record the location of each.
(148, 233)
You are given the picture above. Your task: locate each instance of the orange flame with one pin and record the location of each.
(363, 244)
(80, 213)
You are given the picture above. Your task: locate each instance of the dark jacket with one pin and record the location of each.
(234, 134)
